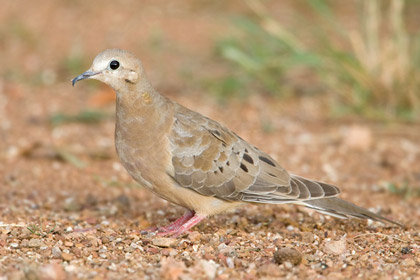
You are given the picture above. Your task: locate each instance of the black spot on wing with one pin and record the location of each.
(244, 168)
(248, 159)
(267, 160)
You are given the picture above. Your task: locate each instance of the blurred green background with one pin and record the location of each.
(357, 57)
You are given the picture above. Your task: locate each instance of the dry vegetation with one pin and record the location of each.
(69, 210)
(367, 62)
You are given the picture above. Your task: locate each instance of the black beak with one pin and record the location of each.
(83, 76)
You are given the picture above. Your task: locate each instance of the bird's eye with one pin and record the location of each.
(114, 65)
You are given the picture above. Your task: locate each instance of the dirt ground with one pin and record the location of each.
(69, 210)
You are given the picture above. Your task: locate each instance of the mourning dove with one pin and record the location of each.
(195, 162)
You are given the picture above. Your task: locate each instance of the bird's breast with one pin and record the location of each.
(144, 151)
(131, 160)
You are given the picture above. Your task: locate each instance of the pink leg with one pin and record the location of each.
(174, 225)
(181, 228)
(178, 222)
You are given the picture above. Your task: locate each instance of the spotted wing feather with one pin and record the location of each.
(213, 161)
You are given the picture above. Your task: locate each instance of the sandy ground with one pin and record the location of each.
(69, 210)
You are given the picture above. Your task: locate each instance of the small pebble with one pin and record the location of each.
(288, 255)
(209, 268)
(194, 236)
(35, 243)
(288, 265)
(56, 252)
(391, 260)
(405, 250)
(408, 262)
(308, 237)
(66, 256)
(323, 265)
(230, 263)
(164, 242)
(335, 247)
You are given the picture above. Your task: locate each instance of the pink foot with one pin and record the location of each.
(182, 227)
(171, 226)
(178, 222)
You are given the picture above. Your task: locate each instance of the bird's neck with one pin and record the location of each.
(143, 106)
(142, 115)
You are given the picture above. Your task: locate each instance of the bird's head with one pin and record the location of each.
(116, 68)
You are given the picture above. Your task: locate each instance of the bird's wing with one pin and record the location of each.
(213, 161)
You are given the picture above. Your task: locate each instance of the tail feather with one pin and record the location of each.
(343, 209)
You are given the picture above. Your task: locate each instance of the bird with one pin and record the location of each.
(195, 162)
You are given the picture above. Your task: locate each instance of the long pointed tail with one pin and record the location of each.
(343, 209)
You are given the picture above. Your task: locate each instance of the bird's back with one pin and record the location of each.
(214, 161)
